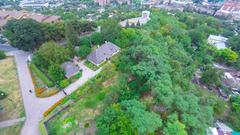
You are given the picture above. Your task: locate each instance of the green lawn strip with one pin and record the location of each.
(42, 128)
(41, 75)
(91, 66)
(11, 103)
(75, 77)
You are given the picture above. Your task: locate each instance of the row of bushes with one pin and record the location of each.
(49, 110)
(41, 75)
(42, 93)
(91, 66)
(42, 128)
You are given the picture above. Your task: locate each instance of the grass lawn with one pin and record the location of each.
(91, 66)
(12, 104)
(12, 130)
(89, 100)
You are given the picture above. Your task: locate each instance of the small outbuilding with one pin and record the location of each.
(103, 53)
(70, 69)
(218, 41)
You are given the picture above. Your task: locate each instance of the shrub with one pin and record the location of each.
(90, 65)
(49, 110)
(48, 93)
(2, 95)
(2, 55)
(39, 91)
(101, 96)
(227, 56)
(75, 77)
(86, 125)
(91, 103)
(41, 75)
(64, 83)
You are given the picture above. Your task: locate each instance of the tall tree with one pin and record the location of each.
(56, 73)
(114, 122)
(24, 34)
(110, 30)
(53, 53)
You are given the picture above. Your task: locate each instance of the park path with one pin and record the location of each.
(86, 75)
(8, 123)
(35, 107)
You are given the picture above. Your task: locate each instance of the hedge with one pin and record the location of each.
(41, 75)
(49, 110)
(42, 128)
(47, 93)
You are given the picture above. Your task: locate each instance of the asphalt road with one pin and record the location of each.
(7, 47)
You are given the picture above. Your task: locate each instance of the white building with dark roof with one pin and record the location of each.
(134, 21)
(103, 53)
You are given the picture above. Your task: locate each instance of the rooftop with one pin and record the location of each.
(102, 53)
(218, 41)
(70, 69)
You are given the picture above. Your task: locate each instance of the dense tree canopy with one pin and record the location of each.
(51, 53)
(24, 34)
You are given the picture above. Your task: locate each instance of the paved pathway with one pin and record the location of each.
(7, 47)
(8, 123)
(86, 75)
(35, 107)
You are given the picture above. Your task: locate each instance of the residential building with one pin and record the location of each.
(34, 5)
(43, 18)
(134, 21)
(103, 2)
(70, 69)
(230, 8)
(183, 2)
(103, 53)
(218, 41)
(8, 15)
(107, 2)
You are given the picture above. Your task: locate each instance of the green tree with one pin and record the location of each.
(53, 53)
(234, 43)
(96, 38)
(145, 122)
(227, 56)
(24, 34)
(72, 35)
(54, 31)
(114, 122)
(56, 73)
(110, 30)
(70, 49)
(2, 55)
(174, 127)
(212, 76)
(234, 117)
(83, 51)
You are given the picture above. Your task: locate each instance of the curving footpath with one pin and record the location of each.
(35, 107)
